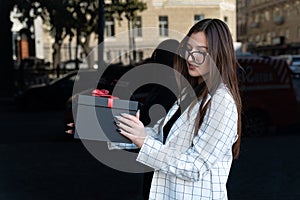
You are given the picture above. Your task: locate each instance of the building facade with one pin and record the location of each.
(269, 27)
(164, 19)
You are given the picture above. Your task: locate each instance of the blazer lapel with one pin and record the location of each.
(182, 123)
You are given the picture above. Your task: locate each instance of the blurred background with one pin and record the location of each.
(45, 43)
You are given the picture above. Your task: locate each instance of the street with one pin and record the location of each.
(38, 161)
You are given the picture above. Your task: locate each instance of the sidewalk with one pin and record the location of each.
(267, 169)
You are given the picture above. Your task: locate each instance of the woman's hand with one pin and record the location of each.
(71, 130)
(131, 127)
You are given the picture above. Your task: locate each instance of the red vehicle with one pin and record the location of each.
(268, 95)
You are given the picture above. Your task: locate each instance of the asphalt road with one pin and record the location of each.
(37, 161)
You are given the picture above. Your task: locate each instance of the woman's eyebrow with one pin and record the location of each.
(197, 46)
(200, 46)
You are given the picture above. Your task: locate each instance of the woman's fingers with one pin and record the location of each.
(70, 132)
(125, 121)
(125, 126)
(138, 140)
(71, 124)
(132, 118)
(131, 127)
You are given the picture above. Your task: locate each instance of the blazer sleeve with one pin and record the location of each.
(214, 140)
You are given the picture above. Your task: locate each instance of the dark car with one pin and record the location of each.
(293, 62)
(268, 95)
(54, 95)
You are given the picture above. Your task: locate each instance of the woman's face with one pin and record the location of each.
(196, 55)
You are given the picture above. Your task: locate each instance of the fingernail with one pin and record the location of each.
(117, 117)
(70, 124)
(118, 130)
(69, 132)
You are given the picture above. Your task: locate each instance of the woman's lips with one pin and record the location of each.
(191, 67)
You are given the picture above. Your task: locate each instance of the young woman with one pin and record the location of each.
(192, 148)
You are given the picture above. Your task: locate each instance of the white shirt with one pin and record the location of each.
(188, 166)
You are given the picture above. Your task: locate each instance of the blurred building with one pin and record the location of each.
(164, 19)
(269, 27)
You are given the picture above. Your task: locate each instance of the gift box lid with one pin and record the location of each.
(107, 102)
(95, 118)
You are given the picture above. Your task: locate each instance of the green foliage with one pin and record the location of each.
(68, 17)
(81, 18)
(129, 8)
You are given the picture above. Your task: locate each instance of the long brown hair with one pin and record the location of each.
(221, 52)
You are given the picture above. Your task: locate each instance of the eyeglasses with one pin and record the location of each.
(197, 56)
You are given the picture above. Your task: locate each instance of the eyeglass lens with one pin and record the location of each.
(197, 56)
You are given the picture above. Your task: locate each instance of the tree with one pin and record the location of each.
(57, 14)
(85, 12)
(72, 18)
(6, 61)
(80, 18)
(62, 24)
(129, 9)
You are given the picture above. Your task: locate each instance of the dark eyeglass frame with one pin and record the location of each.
(191, 53)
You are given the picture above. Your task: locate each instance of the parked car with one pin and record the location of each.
(268, 95)
(54, 94)
(293, 62)
(71, 64)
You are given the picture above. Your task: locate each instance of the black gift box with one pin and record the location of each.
(95, 118)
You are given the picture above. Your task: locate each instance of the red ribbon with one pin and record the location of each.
(105, 93)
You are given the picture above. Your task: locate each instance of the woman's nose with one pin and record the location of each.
(190, 58)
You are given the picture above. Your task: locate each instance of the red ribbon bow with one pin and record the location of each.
(104, 93)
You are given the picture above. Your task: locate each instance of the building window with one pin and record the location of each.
(139, 56)
(108, 55)
(225, 19)
(163, 26)
(287, 33)
(251, 39)
(262, 17)
(267, 15)
(109, 27)
(257, 38)
(138, 26)
(281, 32)
(269, 38)
(256, 17)
(198, 18)
(277, 12)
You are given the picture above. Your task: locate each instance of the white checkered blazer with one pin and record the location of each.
(188, 166)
